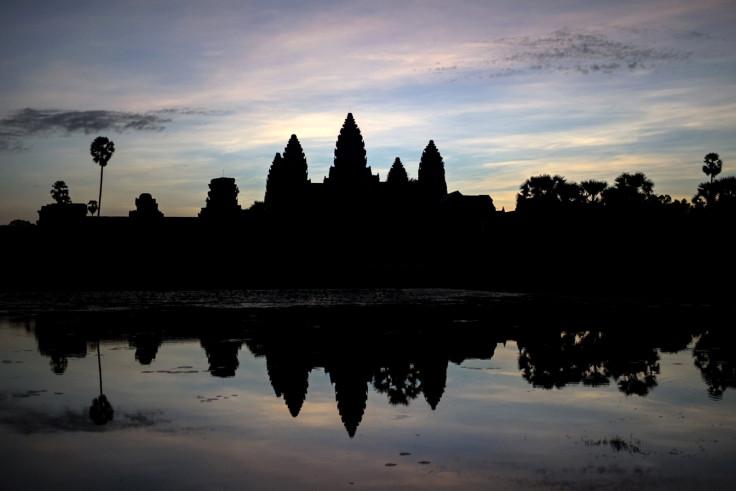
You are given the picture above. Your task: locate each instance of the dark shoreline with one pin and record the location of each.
(680, 259)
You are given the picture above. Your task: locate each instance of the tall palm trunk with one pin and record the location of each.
(99, 199)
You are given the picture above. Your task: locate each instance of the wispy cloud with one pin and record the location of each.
(586, 52)
(189, 111)
(26, 122)
(565, 50)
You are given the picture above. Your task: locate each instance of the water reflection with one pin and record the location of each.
(402, 353)
(101, 411)
(509, 396)
(146, 345)
(222, 354)
(716, 358)
(591, 358)
(59, 343)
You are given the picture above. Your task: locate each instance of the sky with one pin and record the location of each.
(190, 91)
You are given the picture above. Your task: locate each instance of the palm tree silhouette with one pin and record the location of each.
(399, 381)
(630, 192)
(545, 192)
(712, 165)
(593, 189)
(101, 151)
(636, 183)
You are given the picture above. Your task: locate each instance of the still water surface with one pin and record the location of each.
(362, 389)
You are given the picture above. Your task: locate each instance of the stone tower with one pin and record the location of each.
(350, 169)
(222, 200)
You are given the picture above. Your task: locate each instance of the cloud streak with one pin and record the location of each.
(565, 50)
(588, 52)
(27, 122)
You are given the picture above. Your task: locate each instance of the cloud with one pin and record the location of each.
(9, 140)
(189, 111)
(568, 51)
(587, 52)
(26, 122)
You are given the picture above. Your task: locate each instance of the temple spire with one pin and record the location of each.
(287, 177)
(350, 164)
(295, 162)
(397, 174)
(431, 173)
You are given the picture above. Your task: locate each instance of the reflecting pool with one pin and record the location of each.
(409, 389)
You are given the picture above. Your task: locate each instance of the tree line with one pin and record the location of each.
(629, 191)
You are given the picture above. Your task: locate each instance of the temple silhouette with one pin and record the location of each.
(348, 220)
(353, 229)
(351, 195)
(351, 188)
(350, 192)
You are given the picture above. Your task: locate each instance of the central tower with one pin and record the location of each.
(350, 168)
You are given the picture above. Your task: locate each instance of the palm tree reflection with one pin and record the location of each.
(399, 381)
(715, 358)
(101, 411)
(554, 360)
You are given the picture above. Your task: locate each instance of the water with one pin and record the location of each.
(397, 389)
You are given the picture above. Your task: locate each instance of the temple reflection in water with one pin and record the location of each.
(403, 352)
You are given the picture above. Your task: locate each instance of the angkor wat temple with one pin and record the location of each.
(351, 184)
(350, 195)
(352, 228)
(351, 191)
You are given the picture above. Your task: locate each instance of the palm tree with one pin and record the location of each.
(629, 191)
(593, 189)
(101, 150)
(637, 183)
(712, 165)
(569, 192)
(544, 187)
(546, 193)
(720, 192)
